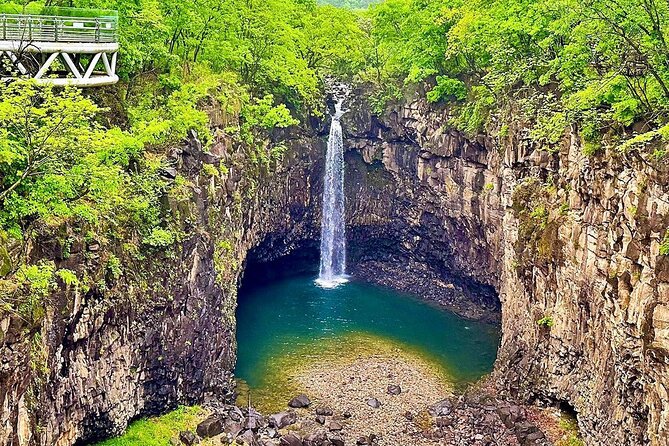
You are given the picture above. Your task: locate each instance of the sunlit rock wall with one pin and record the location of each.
(570, 242)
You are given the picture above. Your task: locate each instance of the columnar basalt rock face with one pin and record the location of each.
(571, 243)
(605, 291)
(425, 210)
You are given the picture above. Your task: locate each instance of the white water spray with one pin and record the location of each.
(333, 226)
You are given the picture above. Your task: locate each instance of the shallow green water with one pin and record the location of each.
(293, 316)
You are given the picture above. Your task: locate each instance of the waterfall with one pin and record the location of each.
(333, 226)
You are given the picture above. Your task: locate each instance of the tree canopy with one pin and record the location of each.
(71, 166)
(599, 65)
(351, 4)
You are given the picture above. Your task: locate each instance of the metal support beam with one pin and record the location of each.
(73, 69)
(45, 67)
(91, 66)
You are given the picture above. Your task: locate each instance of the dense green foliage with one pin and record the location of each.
(598, 65)
(351, 4)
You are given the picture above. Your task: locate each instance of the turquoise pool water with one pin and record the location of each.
(292, 316)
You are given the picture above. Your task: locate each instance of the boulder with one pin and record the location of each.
(525, 428)
(188, 438)
(366, 440)
(282, 419)
(534, 437)
(325, 411)
(320, 419)
(254, 423)
(233, 428)
(316, 439)
(300, 401)
(334, 426)
(210, 427)
(247, 438)
(440, 409)
(291, 440)
(236, 414)
(444, 421)
(528, 434)
(169, 173)
(394, 389)
(336, 440)
(374, 403)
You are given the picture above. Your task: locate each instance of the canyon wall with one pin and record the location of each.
(570, 242)
(163, 333)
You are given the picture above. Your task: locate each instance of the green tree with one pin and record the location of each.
(56, 163)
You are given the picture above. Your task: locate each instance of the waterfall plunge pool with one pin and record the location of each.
(291, 323)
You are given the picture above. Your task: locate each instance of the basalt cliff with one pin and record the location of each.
(570, 243)
(564, 246)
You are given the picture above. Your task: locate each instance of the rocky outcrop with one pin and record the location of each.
(570, 242)
(475, 418)
(424, 215)
(160, 335)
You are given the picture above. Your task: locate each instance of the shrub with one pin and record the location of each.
(664, 246)
(447, 88)
(159, 238)
(546, 321)
(113, 267)
(68, 277)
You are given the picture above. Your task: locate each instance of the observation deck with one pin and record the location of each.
(59, 46)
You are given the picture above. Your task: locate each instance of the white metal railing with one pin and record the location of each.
(45, 28)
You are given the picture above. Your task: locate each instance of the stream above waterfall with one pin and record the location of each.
(292, 322)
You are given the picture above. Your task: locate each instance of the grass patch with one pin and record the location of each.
(159, 430)
(571, 435)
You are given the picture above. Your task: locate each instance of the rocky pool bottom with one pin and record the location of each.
(357, 365)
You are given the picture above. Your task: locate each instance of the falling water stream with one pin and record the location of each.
(333, 231)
